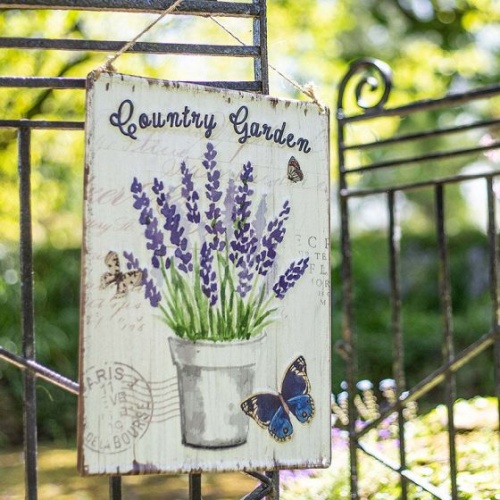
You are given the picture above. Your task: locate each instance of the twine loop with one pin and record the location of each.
(307, 89)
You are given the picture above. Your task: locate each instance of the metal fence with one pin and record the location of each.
(365, 173)
(389, 160)
(256, 53)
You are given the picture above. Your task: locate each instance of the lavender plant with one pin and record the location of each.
(211, 253)
(367, 407)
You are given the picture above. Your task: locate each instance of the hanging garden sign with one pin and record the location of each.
(205, 325)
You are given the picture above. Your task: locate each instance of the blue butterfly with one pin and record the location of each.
(272, 411)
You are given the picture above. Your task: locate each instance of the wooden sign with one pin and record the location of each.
(205, 328)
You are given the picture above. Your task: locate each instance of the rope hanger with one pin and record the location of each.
(108, 67)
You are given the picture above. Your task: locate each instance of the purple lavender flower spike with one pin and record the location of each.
(185, 263)
(259, 224)
(154, 235)
(244, 284)
(271, 239)
(214, 226)
(147, 218)
(141, 201)
(213, 178)
(177, 238)
(207, 274)
(150, 291)
(211, 152)
(294, 475)
(132, 262)
(136, 186)
(158, 189)
(190, 195)
(228, 208)
(158, 186)
(244, 243)
(288, 279)
(156, 242)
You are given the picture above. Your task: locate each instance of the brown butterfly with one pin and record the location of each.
(124, 281)
(294, 171)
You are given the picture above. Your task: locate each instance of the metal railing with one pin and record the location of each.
(257, 52)
(376, 158)
(365, 172)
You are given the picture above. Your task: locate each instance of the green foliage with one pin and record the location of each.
(426, 442)
(433, 47)
(57, 287)
(189, 313)
(421, 313)
(57, 275)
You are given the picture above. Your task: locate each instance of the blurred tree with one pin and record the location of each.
(433, 46)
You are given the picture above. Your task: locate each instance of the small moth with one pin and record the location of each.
(294, 171)
(124, 281)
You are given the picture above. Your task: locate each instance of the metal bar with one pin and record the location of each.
(494, 248)
(27, 311)
(274, 477)
(397, 332)
(432, 380)
(79, 83)
(261, 73)
(358, 193)
(407, 474)
(40, 371)
(42, 124)
(187, 7)
(261, 67)
(245, 86)
(448, 350)
(115, 487)
(440, 155)
(39, 82)
(349, 340)
(138, 48)
(422, 135)
(423, 105)
(265, 487)
(195, 486)
(257, 10)
(494, 282)
(347, 345)
(373, 72)
(450, 362)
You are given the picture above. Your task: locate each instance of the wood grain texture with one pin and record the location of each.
(207, 218)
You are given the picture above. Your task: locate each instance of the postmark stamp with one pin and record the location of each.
(123, 403)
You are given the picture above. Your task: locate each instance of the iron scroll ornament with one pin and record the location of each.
(373, 72)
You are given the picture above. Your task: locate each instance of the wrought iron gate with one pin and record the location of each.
(432, 162)
(365, 168)
(256, 53)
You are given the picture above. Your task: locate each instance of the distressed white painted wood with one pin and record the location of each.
(206, 216)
